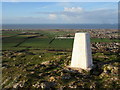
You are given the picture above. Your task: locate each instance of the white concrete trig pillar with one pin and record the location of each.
(81, 54)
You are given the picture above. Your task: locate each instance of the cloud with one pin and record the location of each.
(52, 16)
(76, 15)
(80, 15)
(73, 9)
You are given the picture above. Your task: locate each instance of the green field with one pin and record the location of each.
(15, 40)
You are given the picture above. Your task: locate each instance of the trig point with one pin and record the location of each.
(81, 55)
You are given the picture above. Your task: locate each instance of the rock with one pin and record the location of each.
(52, 78)
(72, 86)
(41, 74)
(66, 76)
(93, 85)
(61, 88)
(40, 56)
(47, 85)
(19, 84)
(16, 86)
(46, 63)
(32, 72)
(115, 70)
(110, 76)
(37, 85)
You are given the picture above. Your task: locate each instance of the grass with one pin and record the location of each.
(10, 42)
(19, 64)
(42, 42)
(10, 33)
(36, 42)
(104, 40)
(62, 43)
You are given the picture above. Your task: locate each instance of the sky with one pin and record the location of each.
(60, 0)
(59, 12)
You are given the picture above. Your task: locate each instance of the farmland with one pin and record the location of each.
(39, 59)
(41, 40)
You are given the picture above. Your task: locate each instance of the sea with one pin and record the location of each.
(59, 26)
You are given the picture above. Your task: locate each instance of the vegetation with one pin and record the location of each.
(37, 59)
(41, 40)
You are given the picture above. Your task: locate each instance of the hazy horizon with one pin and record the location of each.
(60, 26)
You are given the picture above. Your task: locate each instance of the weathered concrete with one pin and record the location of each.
(81, 55)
